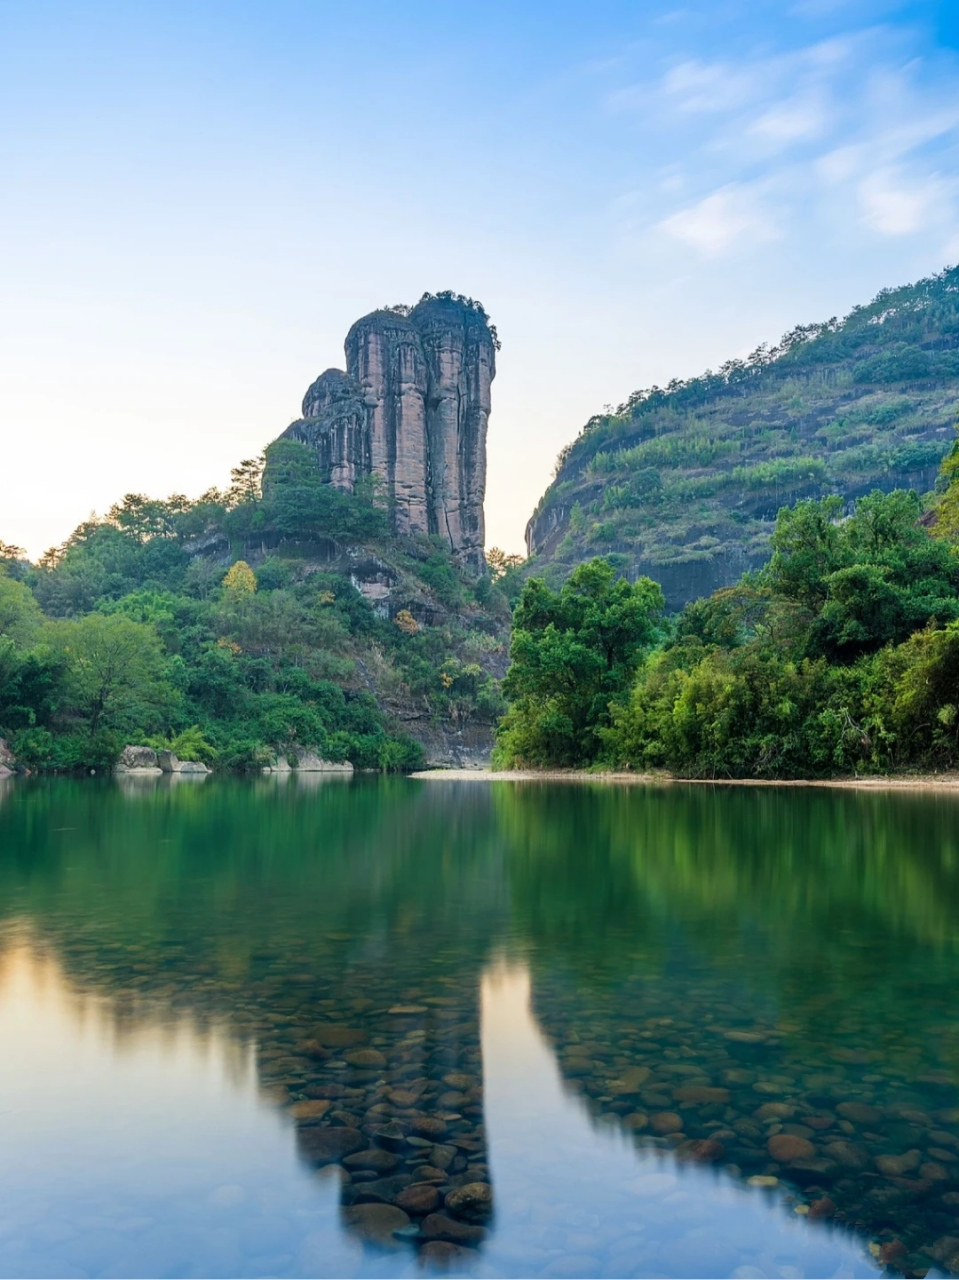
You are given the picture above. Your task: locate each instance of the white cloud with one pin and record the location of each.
(794, 120)
(708, 87)
(853, 131)
(722, 222)
(894, 204)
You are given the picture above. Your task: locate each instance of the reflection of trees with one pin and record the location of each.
(700, 952)
(341, 928)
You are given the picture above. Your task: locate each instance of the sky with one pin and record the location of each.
(198, 198)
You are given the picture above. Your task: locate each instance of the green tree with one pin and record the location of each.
(573, 653)
(115, 676)
(20, 615)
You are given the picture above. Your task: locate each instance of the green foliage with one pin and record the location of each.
(573, 653)
(115, 674)
(190, 744)
(694, 473)
(20, 615)
(842, 655)
(206, 628)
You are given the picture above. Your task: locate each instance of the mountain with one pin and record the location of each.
(683, 483)
(411, 414)
(334, 600)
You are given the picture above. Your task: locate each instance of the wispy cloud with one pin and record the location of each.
(857, 128)
(722, 222)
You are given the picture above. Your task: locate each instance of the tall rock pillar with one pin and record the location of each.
(461, 359)
(412, 412)
(383, 354)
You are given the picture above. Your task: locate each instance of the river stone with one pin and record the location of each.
(473, 1201)
(380, 1190)
(577, 1067)
(786, 1147)
(420, 1198)
(631, 1081)
(819, 1123)
(328, 1146)
(452, 1099)
(392, 1136)
(376, 1222)
(822, 1208)
(848, 1154)
(859, 1113)
(896, 1166)
(666, 1122)
(774, 1111)
(365, 1058)
(813, 1172)
(374, 1158)
(437, 1226)
(314, 1109)
(459, 1080)
(700, 1094)
(332, 1035)
(429, 1127)
(701, 1150)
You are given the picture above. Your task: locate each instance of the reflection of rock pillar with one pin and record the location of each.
(397, 1103)
(461, 358)
(384, 356)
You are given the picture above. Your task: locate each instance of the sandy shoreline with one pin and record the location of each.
(901, 782)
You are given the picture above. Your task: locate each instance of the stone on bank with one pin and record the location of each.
(287, 760)
(147, 762)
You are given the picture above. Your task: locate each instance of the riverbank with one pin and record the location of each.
(890, 782)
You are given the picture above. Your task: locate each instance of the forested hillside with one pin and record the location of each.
(683, 483)
(840, 656)
(283, 615)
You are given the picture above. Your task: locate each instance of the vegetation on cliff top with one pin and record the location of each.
(237, 623)
(684, 482)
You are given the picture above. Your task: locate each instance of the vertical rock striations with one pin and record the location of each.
(334, 425)
(412, 412)
(461, 360)
(385, 357)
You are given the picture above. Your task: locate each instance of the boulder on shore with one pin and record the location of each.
(305, 760)
(137, 760)
(169, 763)
(7, 759)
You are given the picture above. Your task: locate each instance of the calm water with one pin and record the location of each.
(382, 1026)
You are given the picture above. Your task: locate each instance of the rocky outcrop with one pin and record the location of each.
(138, 760)
(411, 411)
(7, 760)
(170, 763)
(305, 760)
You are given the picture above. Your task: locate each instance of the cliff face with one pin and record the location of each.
(411, 411)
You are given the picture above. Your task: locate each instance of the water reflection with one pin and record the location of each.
(577, 1199)
(729, 990)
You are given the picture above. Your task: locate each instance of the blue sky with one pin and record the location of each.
(197, 199)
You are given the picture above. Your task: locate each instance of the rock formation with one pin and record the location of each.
(411, 411)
